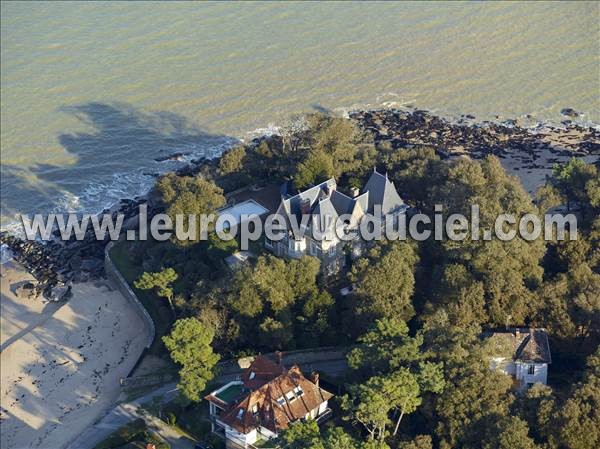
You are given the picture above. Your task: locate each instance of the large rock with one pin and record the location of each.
(28, 290)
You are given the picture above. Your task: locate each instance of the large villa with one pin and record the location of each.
(326, 208)
(267, 399)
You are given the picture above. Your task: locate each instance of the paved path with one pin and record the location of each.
(166, 432)
(119, 416)
(126, 412)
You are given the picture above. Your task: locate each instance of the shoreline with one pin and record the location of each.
(573, 120)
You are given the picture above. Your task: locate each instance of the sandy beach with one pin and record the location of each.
(61, 363)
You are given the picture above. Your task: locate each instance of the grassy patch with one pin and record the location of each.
(134, 435)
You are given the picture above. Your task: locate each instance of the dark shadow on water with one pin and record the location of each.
(120, 139)
(321, 109)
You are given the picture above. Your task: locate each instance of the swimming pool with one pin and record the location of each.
(234, 213)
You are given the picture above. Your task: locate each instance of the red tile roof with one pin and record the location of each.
(278, 396)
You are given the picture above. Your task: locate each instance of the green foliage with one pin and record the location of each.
(385, 281)
(303, 435)
(507, 270)
(507, 433)
(316, 168)
(399, 373)
(578, 419)
(578, 182)
(190, 346)
(232, 161)
(419, 442)
(284, 298)
(184, 195)
(160, 281)
(387, 346)
(472, 394)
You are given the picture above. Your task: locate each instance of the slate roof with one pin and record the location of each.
(324, 200)
(523, 345)
(382, 192)
(277, 397)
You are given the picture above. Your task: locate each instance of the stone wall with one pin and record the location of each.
(113, 275)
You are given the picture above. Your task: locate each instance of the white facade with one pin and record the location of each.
(526, 373)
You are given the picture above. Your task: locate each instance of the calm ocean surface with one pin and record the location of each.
(93, 92)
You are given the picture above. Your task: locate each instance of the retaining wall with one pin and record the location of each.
(113, 274)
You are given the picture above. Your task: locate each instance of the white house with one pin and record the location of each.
(522, 353)
(267, 399)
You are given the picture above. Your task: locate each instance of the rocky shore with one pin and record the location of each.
(57, 264)
(409, 129)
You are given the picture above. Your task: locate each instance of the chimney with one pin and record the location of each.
(355, 191)
(315, 378)
(517, 333)
(279, 356)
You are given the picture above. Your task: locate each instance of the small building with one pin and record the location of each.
(521, 353)
(267, 399)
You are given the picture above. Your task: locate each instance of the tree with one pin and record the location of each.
(577, 182)
(350, 149)
(160, 281)
(337, 438)
(419, 442)
(385, 347)
(385, 281)
(506, 433)
(578, 419)
(189, 345)
(303, 435)
(508, 271)
(284, 297)
(368, 405)
(404, 393)
(472, 393)
(185, 195)
(232, 161)
(316, 168)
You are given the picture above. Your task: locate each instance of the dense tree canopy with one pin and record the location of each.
(190, 346)
(185, 195)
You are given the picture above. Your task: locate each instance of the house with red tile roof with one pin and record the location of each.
(267, 399)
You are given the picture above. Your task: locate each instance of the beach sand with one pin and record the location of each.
(61, 363)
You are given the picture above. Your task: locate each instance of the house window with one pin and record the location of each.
(240, 413)
(298, 391)
(531, 369)
(281, 401)
(268, 242)
(252, 375)
(332, 250)
(290, 396)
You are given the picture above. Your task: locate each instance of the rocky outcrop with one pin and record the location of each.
(409, 129)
